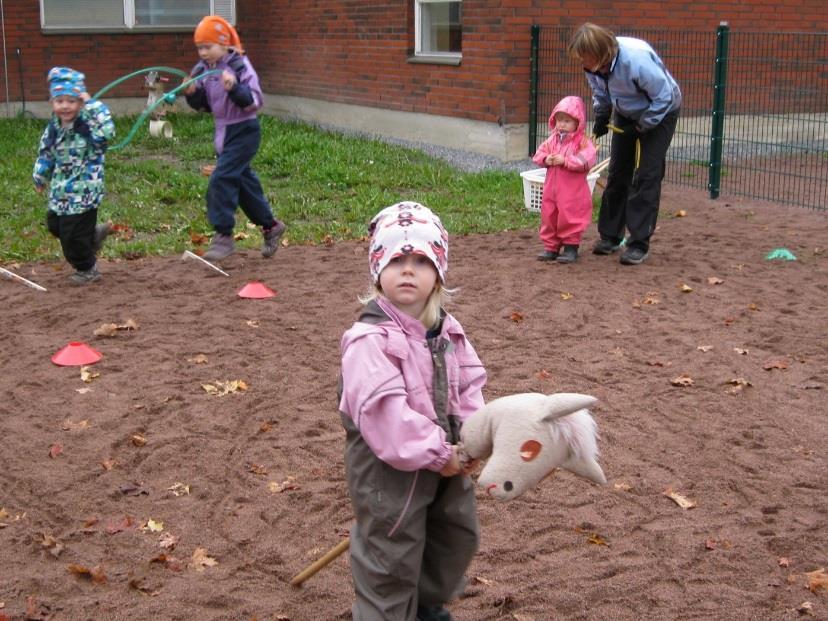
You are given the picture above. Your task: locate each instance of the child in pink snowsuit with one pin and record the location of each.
(568, 155)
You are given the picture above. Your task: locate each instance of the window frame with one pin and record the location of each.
(227, 10)
(447, 58)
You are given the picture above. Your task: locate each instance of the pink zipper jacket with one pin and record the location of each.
(387, 374)
(566, 208)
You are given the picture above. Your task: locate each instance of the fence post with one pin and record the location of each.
(533, 91)
(717, 128)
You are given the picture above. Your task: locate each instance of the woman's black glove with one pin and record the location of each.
(599, 128)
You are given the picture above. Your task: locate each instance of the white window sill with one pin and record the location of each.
(436, 59)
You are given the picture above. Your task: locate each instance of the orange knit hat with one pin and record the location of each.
(215, 29)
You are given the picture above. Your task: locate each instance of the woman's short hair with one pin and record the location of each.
(595, 42)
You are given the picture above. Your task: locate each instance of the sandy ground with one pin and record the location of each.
(140, 495)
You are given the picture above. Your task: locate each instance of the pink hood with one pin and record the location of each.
(574, 107)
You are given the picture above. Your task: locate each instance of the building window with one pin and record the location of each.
(113, 15)
(438, 28)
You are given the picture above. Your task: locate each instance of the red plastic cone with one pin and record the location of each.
(256, 290)
(76, 354)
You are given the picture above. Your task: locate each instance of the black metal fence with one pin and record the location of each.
(754, 117)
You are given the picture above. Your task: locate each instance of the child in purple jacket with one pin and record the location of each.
(234, 97)
(410, 378)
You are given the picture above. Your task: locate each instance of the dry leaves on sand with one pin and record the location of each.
(111, 329)
(95, 574)
(680, 500)
(682, 380)
(198, 359)
(87, 375)
(201, 561)
(219, 388)
(817, 580)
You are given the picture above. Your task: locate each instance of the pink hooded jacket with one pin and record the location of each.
(566, 207)
(387, 374)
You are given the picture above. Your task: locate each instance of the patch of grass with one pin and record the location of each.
(323, 184)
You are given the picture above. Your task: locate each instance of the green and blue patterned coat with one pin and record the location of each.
(71, 160)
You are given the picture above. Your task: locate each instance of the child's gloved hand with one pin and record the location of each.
(190, 89)
(229, 80)
(452, 467)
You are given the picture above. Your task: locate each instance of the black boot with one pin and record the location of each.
(433, 613)
(569, 255)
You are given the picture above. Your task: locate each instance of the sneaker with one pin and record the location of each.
(433, 613)
(85, 277)
(569, 254)
(102, 231)
(221, 247)
(605, 246)
(271, 238)
(548, 255)
(634, 256)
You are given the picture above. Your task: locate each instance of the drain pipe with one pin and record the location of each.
(22, 81)
(5, 61)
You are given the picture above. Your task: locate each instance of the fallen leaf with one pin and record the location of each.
(87, 375)
(52, 544)
(265, 427)
(482, 580)
(68, 425)
(565, 295)
(286, 485)
(219, 389)
(198, 359)
(685, 288)
(118, 525)
(3, 513)
(680, 500)
(55, 450)
(139, 584)
(137, 439)
(200, 559)
(806, 608)
(753, 307)
(240, 235)
(769, 365)
(133, 489)
(817, 580)
(170, 562)
(516, 317)
(253, 323)
(543, 374)
(197, 239)
(658, 363)
(704, 348)
(784, 562)
(122, 231)
(83, 390)
(95, 574)
(167, 541)
(106, 329)
(739, 384)
(740, 351)
(624, 487)
(153, 526)
(179, 489)
(257, 469)
(597, 539)
(681, 213)
(714, 280)
(109, 464)
(682, 380)
(710, 544)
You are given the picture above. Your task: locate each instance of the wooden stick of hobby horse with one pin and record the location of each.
(20, 279)
(318, 564)
(600, 166)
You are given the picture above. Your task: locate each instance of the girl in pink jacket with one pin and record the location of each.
(568, 155)
(410, 378)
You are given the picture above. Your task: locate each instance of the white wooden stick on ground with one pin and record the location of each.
(190, 255)
(20, 279)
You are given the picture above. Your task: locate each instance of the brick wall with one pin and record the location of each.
(355, 51)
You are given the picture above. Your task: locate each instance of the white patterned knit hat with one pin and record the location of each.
(407, 228)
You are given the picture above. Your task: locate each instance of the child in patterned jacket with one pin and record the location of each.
(70, 163)
(410, 378)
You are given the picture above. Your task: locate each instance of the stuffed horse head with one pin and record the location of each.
(524, 437)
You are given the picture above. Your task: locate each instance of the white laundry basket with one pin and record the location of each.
(533, 187)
